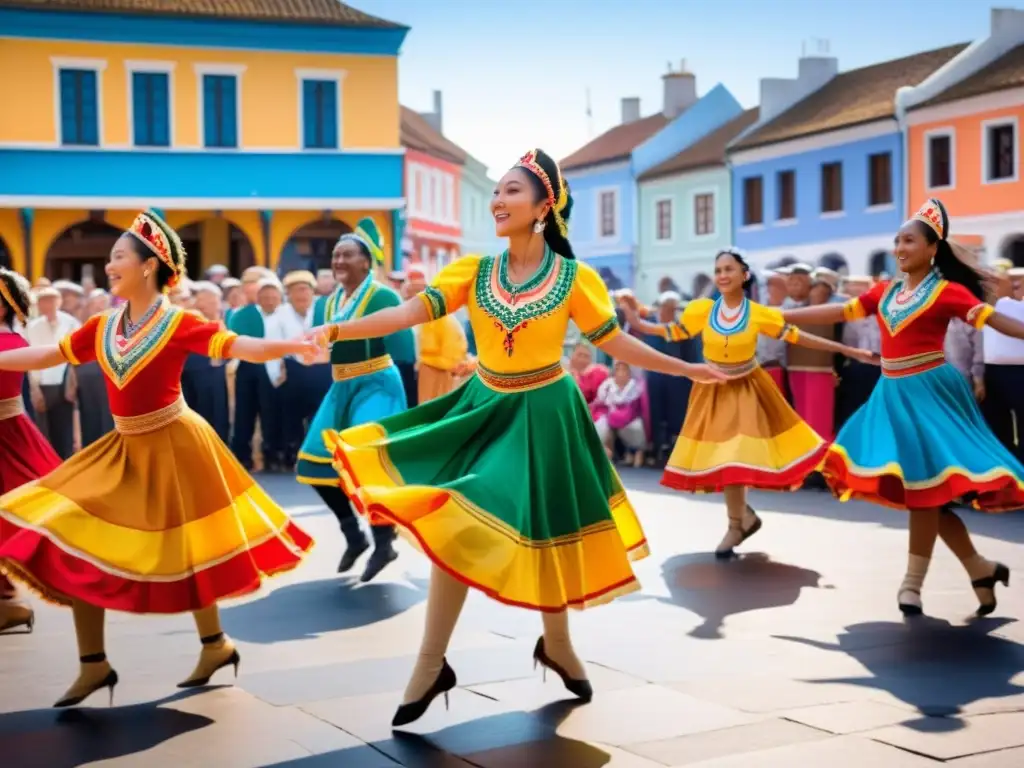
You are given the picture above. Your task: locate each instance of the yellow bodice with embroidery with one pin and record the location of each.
(725, 342)
(521, 328)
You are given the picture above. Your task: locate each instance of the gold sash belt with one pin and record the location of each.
(522, 381)
(11, 407)
(346, 371)
(734, 369)
(150, 422)
(911, 364)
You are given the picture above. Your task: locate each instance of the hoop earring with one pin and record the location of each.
(539, 226)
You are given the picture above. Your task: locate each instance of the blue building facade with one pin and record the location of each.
(820, 179)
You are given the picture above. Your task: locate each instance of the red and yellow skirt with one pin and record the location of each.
(742, 432)
(24, 453)
(156, 517)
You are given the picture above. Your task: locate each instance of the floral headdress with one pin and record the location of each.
(557, 190)
(163, 241)
(933, 214)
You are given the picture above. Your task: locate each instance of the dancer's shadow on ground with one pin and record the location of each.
(47, 738)
(511, 739)
(716, 589)
(930, 664)
(312, 608)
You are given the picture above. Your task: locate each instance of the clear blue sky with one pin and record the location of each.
(515, 73)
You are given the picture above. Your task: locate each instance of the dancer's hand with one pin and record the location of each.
(307, 349)
(705, 373)
(865, 356)
(319, 335)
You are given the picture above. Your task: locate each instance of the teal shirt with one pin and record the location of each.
(401, 345)
(247, 321)
(319, 311)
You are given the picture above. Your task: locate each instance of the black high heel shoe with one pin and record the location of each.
(109, 682)
(728, 554)
(1001, 575)
(414, 710)
(206, 669)
(581, 689)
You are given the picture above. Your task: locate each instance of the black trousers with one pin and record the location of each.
(338, 503)
(855, 387)
(411, 383)
(303, 391)
(1003, 405)
(255, 397)
(57, 422)
(668, 397)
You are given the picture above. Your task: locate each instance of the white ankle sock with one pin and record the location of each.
(913, 581)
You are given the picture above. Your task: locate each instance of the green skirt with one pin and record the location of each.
(505, 485)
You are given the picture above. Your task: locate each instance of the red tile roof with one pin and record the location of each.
(850, 98)
(330, 12)
(1002, 74)
(615, 144)
(418, 134)
(705, 153)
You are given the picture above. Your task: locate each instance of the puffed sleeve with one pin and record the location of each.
(770, 322)
(198, 335)
(591, 307)
(691, 322)
(866, 304)
(449, 291)
(79, 346)
(964, 305)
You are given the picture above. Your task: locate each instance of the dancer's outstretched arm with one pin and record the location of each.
(811, 341)
(1005, 324)
(253, 350)
(821, 314)
(31, 358)
(624, 347)
(382, 323)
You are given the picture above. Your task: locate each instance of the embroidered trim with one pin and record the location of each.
(742, 321)
(854, 310)
(346, 371)
(675, 332)
(895, 367)
(152, 421)
(531, 303)
(896, 318)
(64, 345)
(735, 369)
(122, 367)
(11, 407)
(220, 344)
(789, 333)
(522, 381)
(437, 307)
(603, 332)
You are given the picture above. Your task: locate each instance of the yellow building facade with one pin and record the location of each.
(260, 139)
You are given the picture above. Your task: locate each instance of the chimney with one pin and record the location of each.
(630, 110)
(779, 93)
(435, 118)
(680, 91)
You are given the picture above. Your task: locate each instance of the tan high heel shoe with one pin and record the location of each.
(14, 613)
(218, 652)
(96, 674)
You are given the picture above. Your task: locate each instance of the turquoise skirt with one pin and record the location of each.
(350, 403)
(920, 441)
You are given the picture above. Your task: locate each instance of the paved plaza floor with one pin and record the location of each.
(793, 655)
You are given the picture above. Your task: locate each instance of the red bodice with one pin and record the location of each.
(915, 325)
(11, 381)
(143, 374)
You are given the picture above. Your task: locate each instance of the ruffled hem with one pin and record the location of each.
(999, 491)
(59, 576)
(717, 480)
(438, 508)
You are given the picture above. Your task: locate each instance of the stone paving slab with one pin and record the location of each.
(793, 655)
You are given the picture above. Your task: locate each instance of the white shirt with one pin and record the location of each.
(1000, 349)
(41, 333)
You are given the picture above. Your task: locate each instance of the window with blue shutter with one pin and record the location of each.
(151, 116)
(320, 114)
(220, 110)
(79, 113)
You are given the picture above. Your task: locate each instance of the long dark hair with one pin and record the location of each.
(553, 236)
(748, 283)
(17, 288)
(951, 260)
